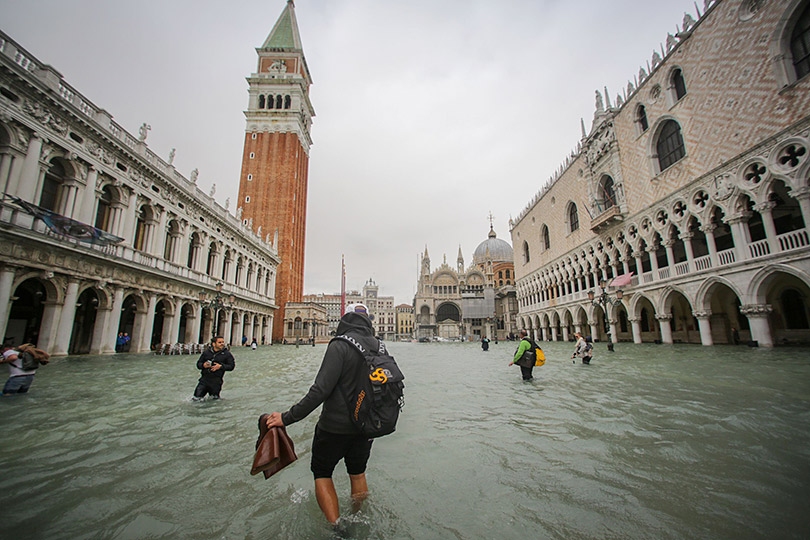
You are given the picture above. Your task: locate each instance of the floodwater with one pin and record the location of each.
(651, 441)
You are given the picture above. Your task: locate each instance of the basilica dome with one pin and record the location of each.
(499, 250)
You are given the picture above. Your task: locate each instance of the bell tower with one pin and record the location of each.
(275, 161)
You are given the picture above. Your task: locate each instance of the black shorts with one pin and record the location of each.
(329, 448)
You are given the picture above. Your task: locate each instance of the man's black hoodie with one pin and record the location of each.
(336, 378)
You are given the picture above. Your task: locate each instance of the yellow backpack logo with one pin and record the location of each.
(541, 357)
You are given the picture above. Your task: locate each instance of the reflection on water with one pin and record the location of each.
(647, 442)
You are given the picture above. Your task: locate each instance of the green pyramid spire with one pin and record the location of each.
(284, 34)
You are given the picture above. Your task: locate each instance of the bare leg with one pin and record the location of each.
(327, 499)
(359, 490)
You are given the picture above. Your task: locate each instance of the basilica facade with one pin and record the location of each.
(468, 303)
(101, 239)
(681, 215)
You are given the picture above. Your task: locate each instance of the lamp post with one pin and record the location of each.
(605, 300)
(218, 302)
(313, 331)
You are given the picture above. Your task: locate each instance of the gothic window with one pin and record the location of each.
(526, 257)
(723, 239)
(800, 44)
(677, 84)
(546, 238)
(756, 229)
(279, 101)
(287, 102)
(261, 101)
(573, 218)
(607, 193)
(670, 148)
(787, 214)
(641, 119)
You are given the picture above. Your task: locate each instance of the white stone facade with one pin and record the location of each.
(697, 180)
(180, 260)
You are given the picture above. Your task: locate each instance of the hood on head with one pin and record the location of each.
(355, 322)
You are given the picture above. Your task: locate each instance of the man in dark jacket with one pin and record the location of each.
(336, 436)
(213, 363)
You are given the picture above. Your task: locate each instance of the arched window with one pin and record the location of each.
(670, 148)
(140, 230)
(800, 44)
(787, 214)
(279, 101)
(287, 102)
(606, 192)
(526, 257)
(641, 119)
(51, 186)
(546, 238)
(573, 218)
(677, 84)
(261, 101)
(104, 211)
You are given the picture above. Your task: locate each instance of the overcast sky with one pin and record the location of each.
(430, 114)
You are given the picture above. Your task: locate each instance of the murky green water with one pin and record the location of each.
(647, 442)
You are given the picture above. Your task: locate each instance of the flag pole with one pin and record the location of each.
(342, 285)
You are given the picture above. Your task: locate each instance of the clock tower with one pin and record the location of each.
(275, 161)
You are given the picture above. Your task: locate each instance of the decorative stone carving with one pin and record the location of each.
(45, 117)
(143, 131)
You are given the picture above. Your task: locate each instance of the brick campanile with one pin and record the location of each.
(275, 162)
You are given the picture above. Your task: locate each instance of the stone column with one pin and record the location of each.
(148, 324)
(239, 329)
(100, 330)
(65, 330)
(68, 199)
(157, 234)
(766, 211)
(594, 330)
(128, 232)
(553, 333)
(174, 329)
(653, 262)
(663, 324)
(670, 257)
(29, 175)
(757, 315)
(88, 198)
(138, 325)
(565, 333)
(803, 196)
(114, 321)
(7, 274)
(614, 332)
(49, 325)
(543, 333)
(636, 326)
(5, 167)
(690, 255)
(195, 328)
(708, 230)
(705, 326)
(739, 233)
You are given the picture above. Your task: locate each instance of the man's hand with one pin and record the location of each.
(215, 367)
(274, 420)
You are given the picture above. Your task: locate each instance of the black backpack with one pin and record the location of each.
(378, 398)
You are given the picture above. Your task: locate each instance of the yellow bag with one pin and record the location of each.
(541, 357)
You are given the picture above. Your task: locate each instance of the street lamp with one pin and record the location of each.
(218, 302)
(313, 331)
(604, 300)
